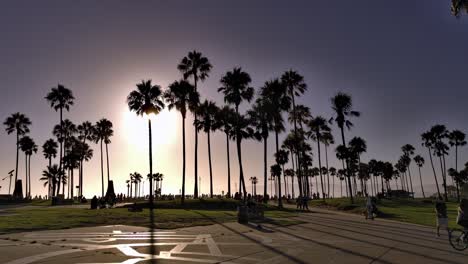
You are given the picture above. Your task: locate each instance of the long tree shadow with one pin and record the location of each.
(374, 243)
(289, 257)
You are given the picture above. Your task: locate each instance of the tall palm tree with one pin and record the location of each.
(440, 133)
(420, 162)
(242, 130)
(262, 121)
(197, 67)
(18, 123)
(207, 112)
(71, 162)
(49, 149)
(182, 96)
(60, 98)
(235, 87)
(225, 121)
(102, 133)
(137, 177)
(275, 93)
(457, 139)
(281, 158)
(29, 147)
(85, 133)
(318, 126)
(358, 146)
(342, 105)
(332, 172)
(147, 99)
(85, 153)
(64, 133)
(408, 150)
(327, 140)
(428, 142)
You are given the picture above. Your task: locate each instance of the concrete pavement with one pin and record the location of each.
(325, 237)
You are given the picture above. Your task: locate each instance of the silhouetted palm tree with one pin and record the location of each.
(457, 139)
(29, 147)
(281, 158)
(18, 123)
(358, 146)
(49, 149)
(318, 126)
(147, 99)
(102, 133)
(327, 140)
(242, 130)
(198, 67)
(428, 142)
(420, 162)
(332, 172)
(408, 150)
(440, 133)
(225, 121)
(85, 133)
(207, 113)
(458, 6)
(262, 121)
(60, 98)
(64, 133)
(275, 93)
(235, 87)
(182, 96)
(342, 105)
(53, 174)
(137, 177)
(71, 161)
(85, 153)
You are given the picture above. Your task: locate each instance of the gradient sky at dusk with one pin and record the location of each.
(404, 62)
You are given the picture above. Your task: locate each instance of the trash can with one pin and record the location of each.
(242, 214)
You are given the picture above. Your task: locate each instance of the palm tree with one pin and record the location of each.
(207, 112)
(198, 67)
(71, 162)
(358, 146)
(85, 132)
(60, 98)
(262, 122)
(457, 139)
(275, 93)
(420, 162)
(137, 177)
(428, 142)
(332, 172)
(327, 140)
(458, 6)
(29, 147)
(440, 133)
(318, 126)
(146, 99)
(85, 153)
(53, 174)
(128, 188)
(235, 87)
(281, 158)
(342, 105)
(102, 133)
(49, 149)
(18, 123)
(225, 121)
(408, 150)
(181, 95)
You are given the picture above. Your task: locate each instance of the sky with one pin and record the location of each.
(404, 63)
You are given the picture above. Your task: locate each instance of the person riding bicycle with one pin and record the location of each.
(462, 217)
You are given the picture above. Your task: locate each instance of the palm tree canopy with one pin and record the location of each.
(225, 119)
(327, 138)
(458, 6)
(17, 122)
(419, 160)
(275, 170)
(49, 149)
(302, 114)
(342, 105)
(181, 95)
(282, 156)
(241, 128)
(408, 150)
(357, 145)
(146, 99)
(195, 65)
(60, 97)
(275, 92)
(317, 126)
(208, 112)
(295, 83)
(261, 118)
(103, 131)
(85, 131)
(457, 138)
(53, 172)
(235, 87)
(26, 144)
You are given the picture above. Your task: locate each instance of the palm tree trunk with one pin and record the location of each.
(209, 163)
(182, 198)
(456, 169)
(328, 173)
(26, 175)
(433, 169)
(410, 179)
(320, 166)
(195, 190)
(17, 158)
(61, 150)
(29, 174)
(228, 166)
(420, 178)
(72, 185)
(444, 179)
(107, 161)
(265, 171)
(102, 172)
(280, 201)
(150, 164)
(241, 170)
(347, 168)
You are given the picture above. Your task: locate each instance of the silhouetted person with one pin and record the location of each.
(94, 203)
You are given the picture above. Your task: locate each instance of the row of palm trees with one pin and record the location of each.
(73, 148)
(135, 180)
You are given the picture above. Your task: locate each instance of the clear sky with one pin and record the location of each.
(404, 62)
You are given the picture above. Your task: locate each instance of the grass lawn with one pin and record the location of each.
(48, 218)
(417, 211)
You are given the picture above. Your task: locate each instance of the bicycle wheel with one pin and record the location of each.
(458, 239)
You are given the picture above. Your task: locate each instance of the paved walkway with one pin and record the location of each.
(325, 237)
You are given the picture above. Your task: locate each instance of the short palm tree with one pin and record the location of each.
(18, 123)
(420, 162)
(342, 105)
(318, 126)
(60, 98)
(182, 96)
(64, 133)
(225, 121)
(29, 147)
(332, 172)
(53, 174)
(207, 113)
(262, 121)
(281, 158)
(197, 67)
(102, 133)
(457, 139)
(147, 99)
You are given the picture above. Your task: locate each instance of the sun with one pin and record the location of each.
(163, 126)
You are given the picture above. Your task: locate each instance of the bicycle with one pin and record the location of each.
(458, 239)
